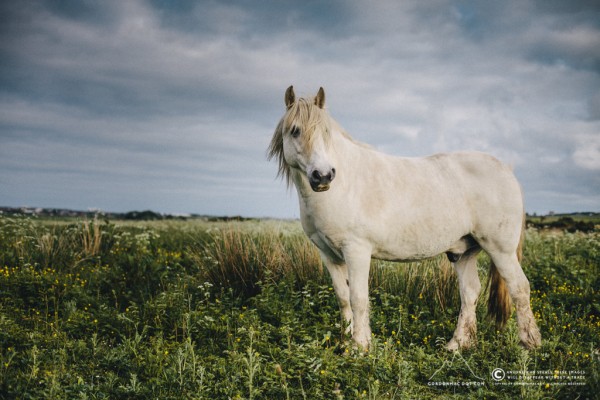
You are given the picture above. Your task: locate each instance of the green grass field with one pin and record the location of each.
(196, 310)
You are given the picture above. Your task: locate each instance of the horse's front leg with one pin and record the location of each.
(358, 260)
(339, 277)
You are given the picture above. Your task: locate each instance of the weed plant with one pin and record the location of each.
(195, 310)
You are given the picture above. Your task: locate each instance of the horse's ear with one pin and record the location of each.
(290, 97)
(320, 99)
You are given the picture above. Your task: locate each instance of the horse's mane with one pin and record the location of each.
(305, 115)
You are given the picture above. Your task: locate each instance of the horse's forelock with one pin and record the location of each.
(308, 117)
(305, 115)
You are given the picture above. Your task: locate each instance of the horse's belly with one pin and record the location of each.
(419, 252)
(417, 242)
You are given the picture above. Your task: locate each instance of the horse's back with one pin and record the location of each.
(461, 179)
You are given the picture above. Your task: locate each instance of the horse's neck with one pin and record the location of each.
(347, 150)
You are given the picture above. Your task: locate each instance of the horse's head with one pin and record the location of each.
(302, 138)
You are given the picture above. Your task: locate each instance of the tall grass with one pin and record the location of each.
(434, 278)
(244, 259)
(91, 237)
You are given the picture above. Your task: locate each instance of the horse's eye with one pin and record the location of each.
(295, 132)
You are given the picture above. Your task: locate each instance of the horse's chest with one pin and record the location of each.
(326, 245)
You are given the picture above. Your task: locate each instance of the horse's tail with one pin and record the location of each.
(499, 303)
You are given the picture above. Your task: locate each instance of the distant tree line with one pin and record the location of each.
(564, 223)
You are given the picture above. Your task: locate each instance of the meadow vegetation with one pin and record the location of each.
(93, 309)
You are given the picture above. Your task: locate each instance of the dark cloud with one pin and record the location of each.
(249, 20)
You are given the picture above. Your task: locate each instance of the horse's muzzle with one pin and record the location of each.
(320, 182)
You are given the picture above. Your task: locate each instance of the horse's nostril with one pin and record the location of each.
(316, 175)
(332, 173)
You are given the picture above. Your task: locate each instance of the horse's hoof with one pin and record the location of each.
(529, 333)
(455, 345)
(452, 345)
(531, 340)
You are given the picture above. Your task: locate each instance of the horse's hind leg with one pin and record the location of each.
(465, 335)
(510, 270)
(339, 278)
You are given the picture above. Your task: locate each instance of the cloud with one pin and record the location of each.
(170, 105)
(587, 152)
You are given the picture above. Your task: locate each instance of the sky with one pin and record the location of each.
(170, 105)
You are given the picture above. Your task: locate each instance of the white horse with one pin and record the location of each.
(357, 203)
